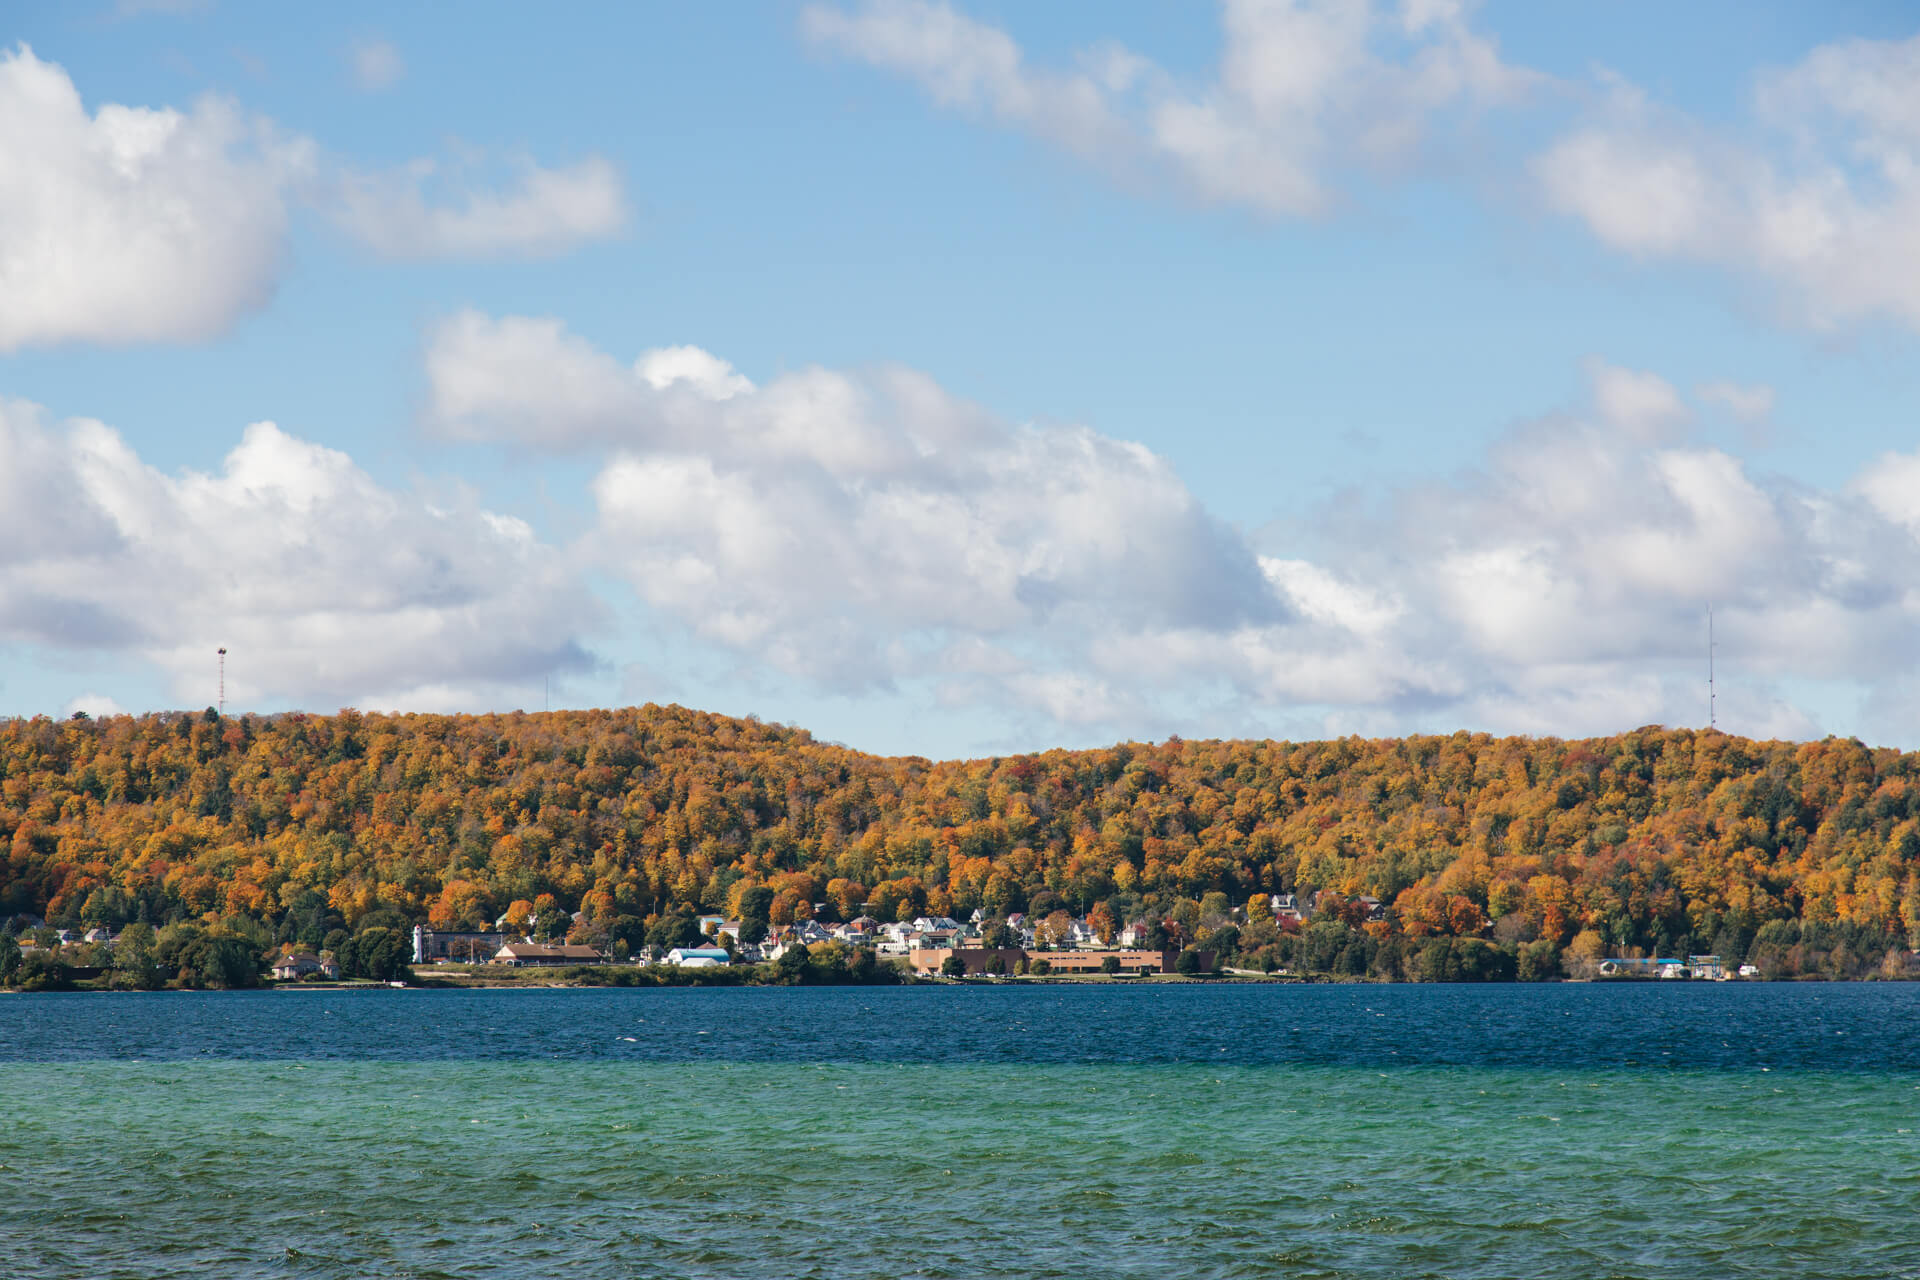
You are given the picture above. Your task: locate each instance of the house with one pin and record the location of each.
(923, 924)
(727, 929)
(710, 923)
(1136, 934)
(520, 955)
(300, 964)
(699, 957)
(1285, 907)
(98, 936)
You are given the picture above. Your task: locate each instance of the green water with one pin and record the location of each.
(743, 1169)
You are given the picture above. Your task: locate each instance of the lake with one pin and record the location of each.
(1645, 1130)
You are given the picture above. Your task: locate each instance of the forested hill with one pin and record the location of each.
(1661, 839)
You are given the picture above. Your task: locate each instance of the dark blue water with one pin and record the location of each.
(1856, 1027)
(1664, 1132)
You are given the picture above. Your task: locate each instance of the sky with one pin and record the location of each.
(962, 379)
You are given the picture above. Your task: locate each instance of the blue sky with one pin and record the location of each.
(1090, 371)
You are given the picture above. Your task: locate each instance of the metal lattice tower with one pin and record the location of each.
(222, 704)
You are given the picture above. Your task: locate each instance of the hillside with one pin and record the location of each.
(1662, 840)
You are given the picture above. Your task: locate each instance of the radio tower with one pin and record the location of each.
(1711, 718)
(223, 684)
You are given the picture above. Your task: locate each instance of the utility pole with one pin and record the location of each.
(222, 704)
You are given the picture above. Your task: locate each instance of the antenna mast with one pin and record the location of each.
(223, 684)
(1712, 718)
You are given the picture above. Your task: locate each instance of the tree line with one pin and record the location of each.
(1485, 856)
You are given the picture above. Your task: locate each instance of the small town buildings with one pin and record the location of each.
(520, 955)
(699, 957)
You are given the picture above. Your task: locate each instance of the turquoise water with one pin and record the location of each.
(1262, 1131)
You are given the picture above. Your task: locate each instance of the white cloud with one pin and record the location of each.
(325, 587)
(1819, 193)
(1644, 405)
(1305, 88)
(848, 528)
(410, 213)
(863, 530)
(377, 65)
(132, 224)
(1562, 588)
(1750, 403)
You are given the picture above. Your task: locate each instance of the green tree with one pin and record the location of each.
(755, 904)
(380, 954)
(680, 929)
(1538, 962)
(43, 971)
(9, 957)
(953, 966)
(1188, 963)
(791, 967)
(1109, 965)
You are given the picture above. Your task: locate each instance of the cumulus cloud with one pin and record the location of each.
(848, 528)
(377, 65)
(135, 224)
(1304, 88)
(1818, 193)
(1562, 586)
(856, 530)
(326, 587)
